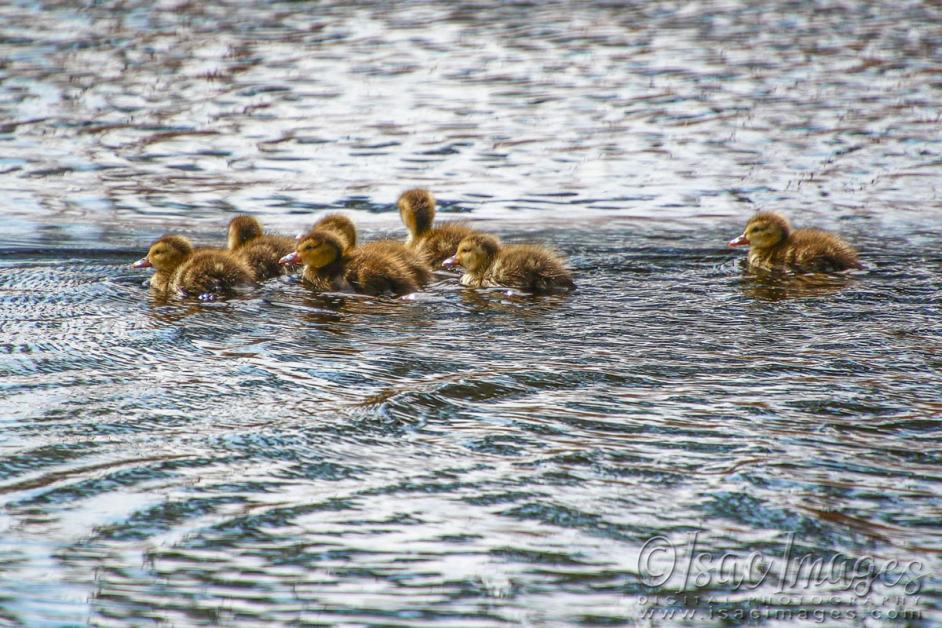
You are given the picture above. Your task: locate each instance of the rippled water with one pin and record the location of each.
(470, 458)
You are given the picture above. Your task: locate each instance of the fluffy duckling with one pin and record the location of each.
(338, 224)
(342, 227)
(329, 265)
(417, 211)
(204, 272)
(774, 245)
(420, 272)
(488, 263)
(261, 252)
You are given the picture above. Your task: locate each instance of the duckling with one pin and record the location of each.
(328, 265)
(204, 272)
(417, 211)
(418, 269)
(342, 227)
(774, 245)
(529, 267)
(339, 225)
(261, 252)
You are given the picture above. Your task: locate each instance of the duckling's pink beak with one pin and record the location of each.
(741, 240)
(142, 263)
(291, 259)
(451, 263)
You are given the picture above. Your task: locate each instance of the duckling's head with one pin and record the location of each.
(320, 248)
(475, 253)
(764, 230)
(340, 226)
(417, 210)
(243, 229)
(166, 254)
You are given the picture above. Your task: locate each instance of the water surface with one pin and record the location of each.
(469, 457)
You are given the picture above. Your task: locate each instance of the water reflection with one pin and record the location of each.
(772, 286)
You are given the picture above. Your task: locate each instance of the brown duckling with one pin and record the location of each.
(260, 251)
(330, 266)
(488, 263)
(203, 272)
(342, 227)
(434, 244)
(338, 224)
(774, 245)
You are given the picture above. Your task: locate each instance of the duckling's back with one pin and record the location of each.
(262, 255)
(376, 272)
(531, 267)
(810, 251)
(415, 265)
(211, 271)
(441, 242)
